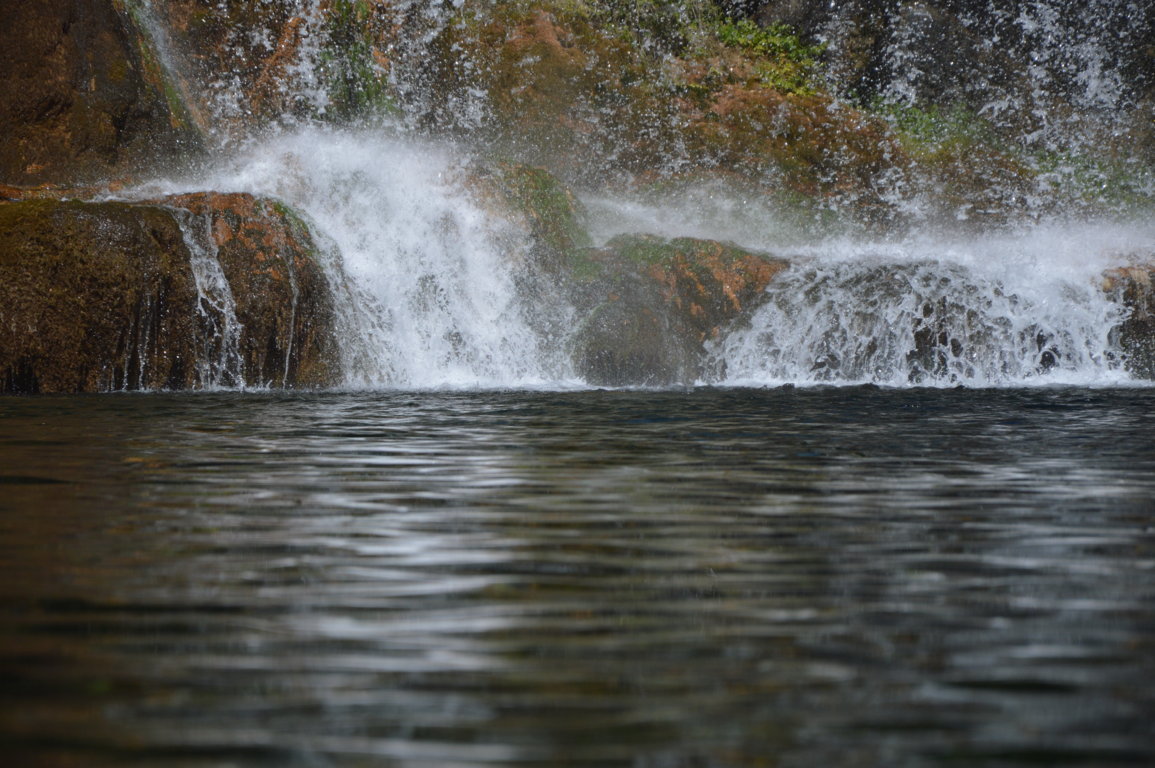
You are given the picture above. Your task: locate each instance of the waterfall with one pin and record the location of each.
(428, 283)
(435, 289)
(1009, 311)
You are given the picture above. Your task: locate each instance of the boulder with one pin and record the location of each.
(646, 307)
(94, 297)
(101, 296)
(650, 306)
(1134, 287)
(282, 300)
(83, 97)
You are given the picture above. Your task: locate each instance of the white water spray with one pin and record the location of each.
(990, 312)
(433, 291)
(426, 281)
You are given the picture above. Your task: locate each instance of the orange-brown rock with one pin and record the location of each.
(282, 297)
(82, 97)
(651, 305)
(1134, 287)
(103, 296)
(246, 64)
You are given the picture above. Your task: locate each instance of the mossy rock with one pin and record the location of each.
(597, 105)
(94, 297)
(102, 296)
(81, 101)
(246, 64)
(535, 200)
(651, 305)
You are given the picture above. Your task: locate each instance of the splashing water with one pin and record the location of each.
(989, 312)
(435, 290)
(427, 285)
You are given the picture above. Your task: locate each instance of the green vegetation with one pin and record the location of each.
(357, 85)
(776, 41)
(926, 129)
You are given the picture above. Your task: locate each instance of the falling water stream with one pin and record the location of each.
(433, 288)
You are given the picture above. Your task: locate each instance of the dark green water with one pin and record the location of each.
(847, 577)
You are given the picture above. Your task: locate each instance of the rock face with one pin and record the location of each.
(650, 305)
(247, 64)
(987, 43)
(94, 297)
(110, 296)
(282, 300)
(1134, 287)
(83, 96)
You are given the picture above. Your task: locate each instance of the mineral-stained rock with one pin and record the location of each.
(651, 304)
(646, 306)
(104, 296)
(1135, 288)
(83, 96)
(93, 297)
(283, 302)
(246, 63)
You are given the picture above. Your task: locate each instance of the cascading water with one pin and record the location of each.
(219, 363)
(433, 288)
(426, 280)
(898, 319)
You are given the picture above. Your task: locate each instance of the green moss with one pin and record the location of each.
(927, 129)
(643, 249)
(554, 212)
(775, 41)
(1096, 180)
(356, 84)
(785, 63)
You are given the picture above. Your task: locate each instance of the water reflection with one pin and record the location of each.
(605, 578)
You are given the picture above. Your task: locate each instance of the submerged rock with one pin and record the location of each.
(110, 296)
(83, 96)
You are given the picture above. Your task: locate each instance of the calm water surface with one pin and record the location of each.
(853, 577)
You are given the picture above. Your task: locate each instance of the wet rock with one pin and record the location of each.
(650, 305)
(282, 298)
(103, 296)
(595, 101)
(246, 64)
(83, 97)
(1134, 287)
(539, 205)
(646, 306)
(94, 297)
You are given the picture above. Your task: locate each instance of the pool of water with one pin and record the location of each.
(781, 577)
